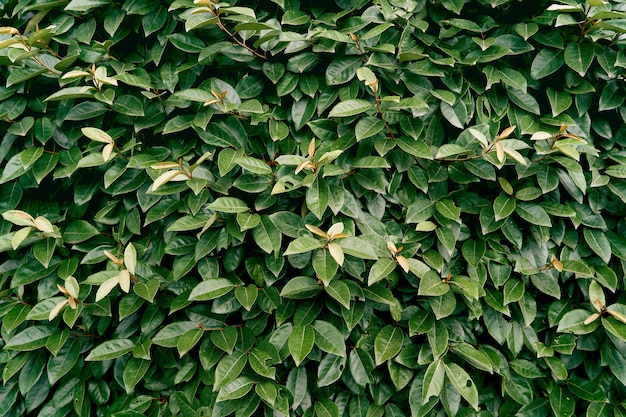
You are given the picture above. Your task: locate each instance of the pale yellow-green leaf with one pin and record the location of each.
(403, 262)
(335, 229)
(57, 309)
(43, 225)
(425, 226)
(20, 236)
(72, 287)
(124, 280)
(541, 136)
(173, 175)
(96, 134)
(130, 258)
(106, 287)
(316, 231)
(75, 74)
(336, 252)
(107, 151)
(18, 218)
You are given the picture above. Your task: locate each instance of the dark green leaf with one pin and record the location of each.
(388, 343)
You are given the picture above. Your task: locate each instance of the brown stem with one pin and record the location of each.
(232, 35)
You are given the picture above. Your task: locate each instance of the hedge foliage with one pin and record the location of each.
(295, 207)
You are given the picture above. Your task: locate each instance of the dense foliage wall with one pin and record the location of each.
(292, 207)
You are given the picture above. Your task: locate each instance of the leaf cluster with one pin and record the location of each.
(349, 208)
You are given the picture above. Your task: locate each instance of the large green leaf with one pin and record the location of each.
(350, 108)
(31, 338)
(328, 338)
(301, 341)
(380, 270)
(546, 62)
(388, 343)
(579, 55)
(562, 402)
(110, 349)
(463, 383)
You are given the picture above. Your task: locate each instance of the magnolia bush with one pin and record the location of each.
(304, 208)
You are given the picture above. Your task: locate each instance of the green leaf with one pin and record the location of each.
(247, 296)
(134, 371)
(317, 197)
(448, 209)
(43, 251)
(303, 244)
(147, 290)
(350, 108)
(513, 290)
(328, 338)
(128, 105)
(301, 342)
(421, 322)
(524, 101)
(611, 98)
(229, 368)
(371, 162)
(475, 357)
(586, 390)
(579, 55)
(380, 270)
(342, 70)
(324, 265)
(562, 402)
(259, 360)
(211, 289)
(79, 231)
(615, 327)
(22, 128)
(253, 165)
(431, 284)
(434, 379)
(546, 62)
(225, 338)
(534, 214)
(574, 322)
(326, 408)
(368, 126)
(266, 235)
(438, 338)
(578, 267)
(228, 205)
(85, 5)
(300, 287)
(188, 340)
(15, 316)
(358, 247)
(330, 369)
(463, 383)
(31, 338)
(268, 392)
(236, 389)
(599, 243)
(473, 251)
(340, 291)
(388, 343)
(559, 101)
(111, 349)
(63, 362)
